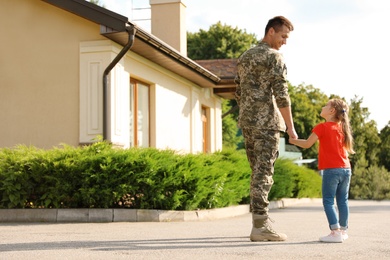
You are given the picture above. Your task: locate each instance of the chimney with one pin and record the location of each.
(169, 23)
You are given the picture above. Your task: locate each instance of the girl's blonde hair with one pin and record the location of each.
(342, 116)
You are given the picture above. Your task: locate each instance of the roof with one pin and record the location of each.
(226, 70)
(113, 26)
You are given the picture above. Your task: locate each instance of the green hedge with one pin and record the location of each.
(101, 176)
(371, 183)
(293, 181)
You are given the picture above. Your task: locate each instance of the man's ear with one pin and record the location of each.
(271, 31)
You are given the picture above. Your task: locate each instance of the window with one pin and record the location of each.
(205, 129)
(139, 114)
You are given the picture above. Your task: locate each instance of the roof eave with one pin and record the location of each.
(92, 12)
(148, 46)
(162, 54)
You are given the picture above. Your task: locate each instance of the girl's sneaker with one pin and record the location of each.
(333, 237)
(344, 234)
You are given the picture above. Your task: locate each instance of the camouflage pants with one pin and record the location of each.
(262, 149)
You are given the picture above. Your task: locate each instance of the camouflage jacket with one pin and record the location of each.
(261, 88)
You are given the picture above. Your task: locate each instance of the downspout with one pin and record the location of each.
(131, 31)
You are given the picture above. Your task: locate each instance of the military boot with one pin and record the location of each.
(262, 230)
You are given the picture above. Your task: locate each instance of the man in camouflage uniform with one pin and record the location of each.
(264, 102)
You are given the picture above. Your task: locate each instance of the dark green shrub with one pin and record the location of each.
(15, 186)
(100, 176)
(293, 181)
(370, 183)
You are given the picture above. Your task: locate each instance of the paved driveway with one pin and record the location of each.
(213, 239)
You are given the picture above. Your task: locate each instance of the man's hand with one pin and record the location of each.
(291, 133)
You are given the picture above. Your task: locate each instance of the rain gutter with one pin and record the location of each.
(131, 31)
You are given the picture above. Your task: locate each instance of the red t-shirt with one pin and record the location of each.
(332, 153)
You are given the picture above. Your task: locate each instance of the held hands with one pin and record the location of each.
(291, 140)
(292, 134)
(304, 143)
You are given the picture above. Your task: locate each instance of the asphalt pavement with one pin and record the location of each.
(223, 238)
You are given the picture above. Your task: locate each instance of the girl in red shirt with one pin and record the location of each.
(336, 142)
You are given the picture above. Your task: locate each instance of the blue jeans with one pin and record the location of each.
(335, 183)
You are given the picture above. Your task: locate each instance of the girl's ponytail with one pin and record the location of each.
(342, 116)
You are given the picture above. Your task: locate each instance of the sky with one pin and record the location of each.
(338, 46)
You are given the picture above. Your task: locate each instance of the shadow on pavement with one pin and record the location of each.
(153, 244)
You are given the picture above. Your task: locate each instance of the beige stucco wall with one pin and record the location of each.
(175, 103)
(39, 73)
(177, 108)
(51, 69)
(172, 101)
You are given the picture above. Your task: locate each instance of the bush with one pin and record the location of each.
(370, 183)
(293, 181)
(100, 176)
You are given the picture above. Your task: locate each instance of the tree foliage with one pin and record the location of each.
(365, 133)
(370, 182)
(306, 103)
(219, 42)
(230, 132)
(384, 153)
(97, 2)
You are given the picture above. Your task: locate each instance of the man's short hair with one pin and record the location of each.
(277, 23)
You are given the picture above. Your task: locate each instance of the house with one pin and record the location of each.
(71, 71)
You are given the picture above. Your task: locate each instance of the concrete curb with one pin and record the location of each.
(131, 215)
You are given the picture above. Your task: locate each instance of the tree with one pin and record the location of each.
(384, 153)
(219, 42)
(370, 182)
(365, 134)
(97, 2)
(306, 104)
(230, 135)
